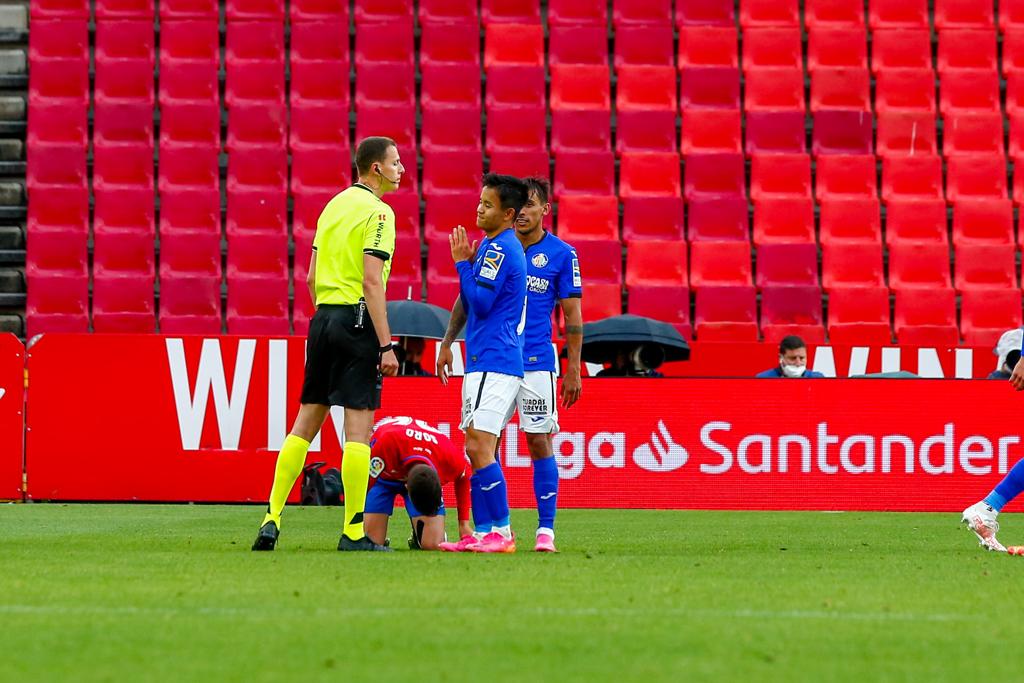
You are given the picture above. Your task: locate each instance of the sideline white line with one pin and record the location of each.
(247, 612)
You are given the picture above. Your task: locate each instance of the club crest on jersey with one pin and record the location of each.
(376, 466)
(492, 264)
(540, 260)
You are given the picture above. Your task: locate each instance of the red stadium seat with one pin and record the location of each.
(953, 14)
(792, 310)
(755, 13)
(718, 219)
(780, 175)
(837, 48)
(457, 42)
(446, 211)
(119, 41)
(311, 11)
(698, 45)
(189, 40)
(775, 47)
(1013, 49)
(127, 81)
(190, 305)
(702, 12)
(190, 254)
(124, 123)
(646, 88)
(583, 217)
(119, 212)
(859, 316)
(450, 130)
(916, 220)
(252, 10)
(56, 303)
(521, 164)
(774, 89)
(319, 125)
(255, 126)
(909, 133)
(645, 131)
(318, 171)
(190, 212)
(986, 314)
(985, 266)
(726, 314)
(322, 40)
(395, 121)
(450, 85)
(590, 173)
(511, 129)
(901, 48)
(601, 300)
(58, 9)
(370, 12)
(446, 173)
(980, 221)
(919, 266)
(898, 14)
(926, 318)
(967, 49)
(969, 90)
(840, 89)
(659, 218)
(975, 176)
(384, 85)
(649, 174)
(1011, 15)
(627, 12)
(193, 82)
(655, 262)
(513, 44)
(256, 213)
(833, 13)
(714, 175)
(905, 90)
(714, 87)
(175, 10)
(122, 166)
(787, 264)
(58, 167)
(572, 12)
(123, 278)
(718, 264)
(775, 131)
(583, 130)
(584, 44)
(516, 86)
(842, 132)
(258, 84)
(442, 293)
(602, 260)
(63, 82)
(447, 11)
(784, 220)
(846, 175)
(264, 169)
(850, 220)
(911, 176)
(852, 265)
(258, 306)
(669, 304)
(513, 11)
(711, 131)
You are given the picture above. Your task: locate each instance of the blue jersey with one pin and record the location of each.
(493, 291)
(552, 274)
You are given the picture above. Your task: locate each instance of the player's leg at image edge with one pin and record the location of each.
(545, 490)
(981, 517)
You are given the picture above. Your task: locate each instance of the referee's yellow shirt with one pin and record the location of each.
(354, 222)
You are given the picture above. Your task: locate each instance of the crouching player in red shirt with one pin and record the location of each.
(409, 458)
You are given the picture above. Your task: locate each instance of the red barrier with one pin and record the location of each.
(176, 419)
(12, 413)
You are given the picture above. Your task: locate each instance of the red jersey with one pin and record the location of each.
(401, 442)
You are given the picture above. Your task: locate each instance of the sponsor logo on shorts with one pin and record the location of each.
(376, 466)
(540, 260)
(535, 406)
(491, 264)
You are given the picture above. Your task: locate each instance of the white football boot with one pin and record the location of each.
(981, 519)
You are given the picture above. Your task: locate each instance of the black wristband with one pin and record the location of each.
(390, 346)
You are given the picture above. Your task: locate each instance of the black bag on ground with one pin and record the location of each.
(313, 484)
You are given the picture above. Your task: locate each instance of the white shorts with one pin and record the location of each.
(538, 404)
(488, 401)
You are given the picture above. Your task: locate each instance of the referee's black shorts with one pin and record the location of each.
(341, 361)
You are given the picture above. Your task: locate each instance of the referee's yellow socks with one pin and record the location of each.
(355, 477)
(289, 466)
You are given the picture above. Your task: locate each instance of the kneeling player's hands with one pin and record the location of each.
(445, 358)
(389, 363)
(465, 528)
(1017, 377)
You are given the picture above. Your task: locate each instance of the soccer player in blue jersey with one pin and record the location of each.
(492, 282)
(981, 517)
(552, 276)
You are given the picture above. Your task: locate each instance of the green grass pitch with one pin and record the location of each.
(143, 592)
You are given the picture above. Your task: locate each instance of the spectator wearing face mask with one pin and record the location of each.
(792, 361)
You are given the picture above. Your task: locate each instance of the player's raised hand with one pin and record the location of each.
(445, 358)
(572, 386)
(462, 249)
(1017, 377)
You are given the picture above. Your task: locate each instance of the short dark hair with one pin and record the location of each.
(372, 150)
(512, 191)
(791, 343)
(424, 488)
(539, 185)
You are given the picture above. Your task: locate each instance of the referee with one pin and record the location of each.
(349, 345)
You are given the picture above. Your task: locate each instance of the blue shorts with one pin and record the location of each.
(380, 499)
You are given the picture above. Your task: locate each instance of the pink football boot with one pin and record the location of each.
(464, 544)
(495, 543)
(545, 544)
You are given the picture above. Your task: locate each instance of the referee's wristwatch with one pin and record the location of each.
(390, 346)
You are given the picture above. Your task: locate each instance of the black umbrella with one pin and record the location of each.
(409, 318)
(603, 339)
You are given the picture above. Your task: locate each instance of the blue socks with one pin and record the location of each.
(1008, 489)
(481, 515)
(545, 491)
(491, 481)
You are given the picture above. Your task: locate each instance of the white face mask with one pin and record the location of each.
(793, 370)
